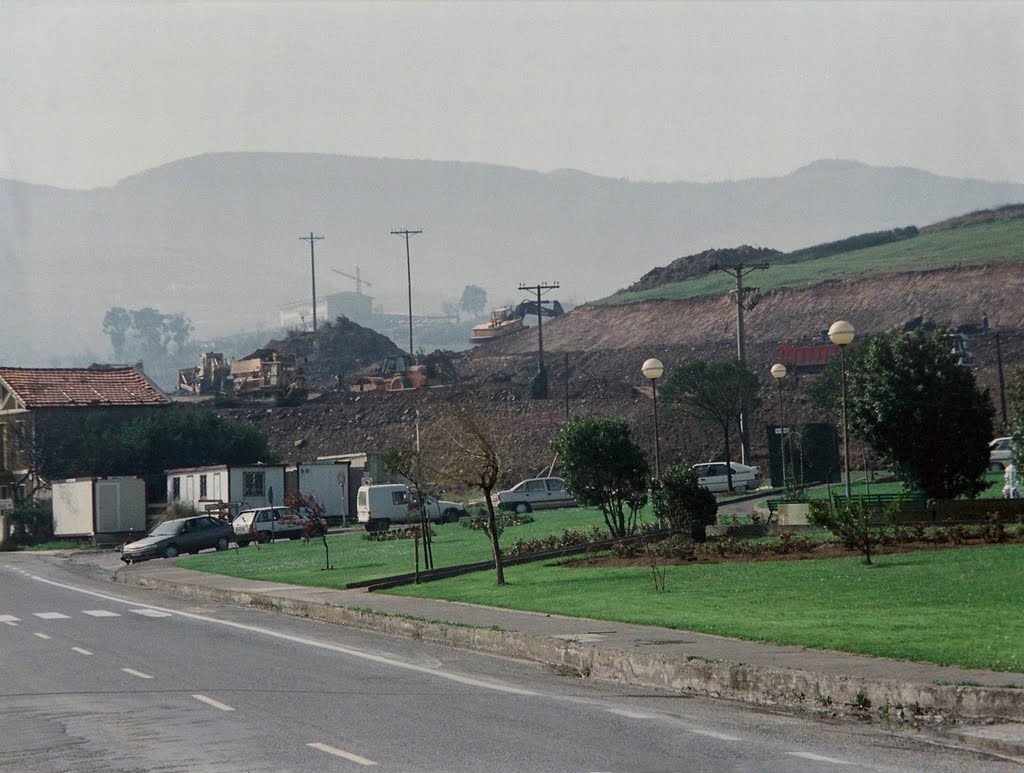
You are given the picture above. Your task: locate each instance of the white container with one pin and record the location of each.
(87, 507)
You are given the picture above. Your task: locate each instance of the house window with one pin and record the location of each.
(252, 484)
(175, 489)
(202, 487)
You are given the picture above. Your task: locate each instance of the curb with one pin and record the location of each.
(883, 700)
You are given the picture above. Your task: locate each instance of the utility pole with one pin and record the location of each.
(738, 271)
(540, 383)
(408, 271)
(312, 268)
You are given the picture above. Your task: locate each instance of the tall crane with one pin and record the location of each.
(359, 280)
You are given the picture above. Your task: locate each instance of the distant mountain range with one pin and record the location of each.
(217, 236)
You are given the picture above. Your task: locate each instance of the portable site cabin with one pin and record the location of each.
(103, 508)
(364, 469)
(227, 488)
(327, 481)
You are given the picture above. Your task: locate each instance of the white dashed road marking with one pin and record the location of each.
(41, 635)
(139, 674)
(9, 619)
(100, 613)
(212, 702)
(342, 753)
(52, 616)
(713, 734)
(818, 758)
(80, 651)
(147, 612)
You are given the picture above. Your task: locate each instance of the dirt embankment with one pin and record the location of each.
(594, 356)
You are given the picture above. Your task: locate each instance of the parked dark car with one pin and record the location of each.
(182, 535)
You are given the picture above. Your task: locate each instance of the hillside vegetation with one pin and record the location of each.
(973, 240)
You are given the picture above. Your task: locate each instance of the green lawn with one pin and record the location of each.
(355, 558)
(997, 242)
(952, 607)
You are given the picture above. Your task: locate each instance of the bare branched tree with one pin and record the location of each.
(470, 452)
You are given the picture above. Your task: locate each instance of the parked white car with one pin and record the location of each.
(999, 451)
(536, 494)
(714, 476)
(267, 523)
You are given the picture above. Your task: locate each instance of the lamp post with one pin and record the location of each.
(841, 334)
(778, 373)
(653, 370)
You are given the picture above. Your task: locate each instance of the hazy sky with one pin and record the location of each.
(93, 92)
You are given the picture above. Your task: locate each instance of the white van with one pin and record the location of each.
(378, 506)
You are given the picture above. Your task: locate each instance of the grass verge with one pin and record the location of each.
(950, 607)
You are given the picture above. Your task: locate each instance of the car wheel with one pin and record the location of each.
(996, 467)
(242, 543)
(222, 543)
(171, 551)
(450, 516)
(522, 508)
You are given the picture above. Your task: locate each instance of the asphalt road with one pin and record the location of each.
(103, 677)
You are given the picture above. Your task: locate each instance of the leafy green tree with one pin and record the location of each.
(713, 393)
(858, 525)
(682, 503)
(164, 439)
(915, 406)
(474, 300)
(604, 467)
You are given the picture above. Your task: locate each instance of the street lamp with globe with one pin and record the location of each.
(653, 370)
(841, 334)
(778, 372)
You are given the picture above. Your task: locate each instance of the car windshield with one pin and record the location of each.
(165, 529)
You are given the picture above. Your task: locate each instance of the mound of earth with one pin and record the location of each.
(690, 266)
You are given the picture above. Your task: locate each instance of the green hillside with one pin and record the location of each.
(974, 244)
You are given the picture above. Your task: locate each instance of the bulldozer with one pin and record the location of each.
(212, 376)
(395, 373)
(509, 319)
(269, 373)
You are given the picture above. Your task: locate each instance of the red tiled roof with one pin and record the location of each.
(105, 385)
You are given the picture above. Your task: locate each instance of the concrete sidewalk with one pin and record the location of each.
(984, 709)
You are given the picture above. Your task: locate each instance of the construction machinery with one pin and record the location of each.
(212, 376)
(269, 373)
(509, 319)
(395, 373)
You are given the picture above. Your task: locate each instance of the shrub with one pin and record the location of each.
(858, 525)
(683, 504)
(32, 522)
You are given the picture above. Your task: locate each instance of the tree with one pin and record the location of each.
(684, 504)
(157, 339)
(916, 407)
(407, 462)
(858, 525)
(315, 525)
(472, 453)
(164, 439)
(474, 301)
(713, 393)
(1017, 418)
(604, 467)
